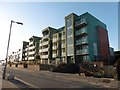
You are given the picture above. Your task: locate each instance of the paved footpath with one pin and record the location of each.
(8, 84)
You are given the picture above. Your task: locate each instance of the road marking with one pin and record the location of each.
(26, 83)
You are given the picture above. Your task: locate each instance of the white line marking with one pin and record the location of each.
(26, 83)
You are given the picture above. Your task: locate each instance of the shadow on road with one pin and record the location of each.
(21, 85)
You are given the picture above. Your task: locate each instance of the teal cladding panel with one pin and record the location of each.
(92, 24)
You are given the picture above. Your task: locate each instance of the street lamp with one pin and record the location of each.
(4, 72)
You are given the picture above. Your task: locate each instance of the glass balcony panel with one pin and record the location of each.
(81, 31)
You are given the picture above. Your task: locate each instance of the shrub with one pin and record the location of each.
(66, 68)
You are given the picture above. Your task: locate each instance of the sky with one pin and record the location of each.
(36, 16)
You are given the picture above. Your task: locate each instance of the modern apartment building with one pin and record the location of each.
(86, 39)
(83, 38)
(45, 47)
(33, 48)
(58, 46)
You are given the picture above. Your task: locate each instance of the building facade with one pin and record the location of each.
(86, 39)
(45, 46)
(58, 46)
(25, 48)
(83, 38)
(33, 48)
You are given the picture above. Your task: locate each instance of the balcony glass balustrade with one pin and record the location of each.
(81, 41)
(82, 51)
(81, 31)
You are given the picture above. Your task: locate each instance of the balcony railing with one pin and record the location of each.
(81, 41)
(26, 49)
(63, 53)
(46, 36)
(26, 58)
(31, 58)
(32, 47)
(44, 56)
(54, 55)
(45, 43)
(81, 31)
(63, 45)
(54, 47)
(55, 39)
(31, 43)
(83, 51)
(44, 50)
(26, 54)
(33, 52)
(80, 22)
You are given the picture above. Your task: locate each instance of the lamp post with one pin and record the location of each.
(4, 72)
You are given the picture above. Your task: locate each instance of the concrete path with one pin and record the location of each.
(8, 84)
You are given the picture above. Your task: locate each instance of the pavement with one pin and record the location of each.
(8, 84)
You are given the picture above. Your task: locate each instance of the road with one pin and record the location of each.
(48, 79)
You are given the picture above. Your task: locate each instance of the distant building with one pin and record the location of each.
(30, 49)
(33, 48)
(15, 56)
(25, 48)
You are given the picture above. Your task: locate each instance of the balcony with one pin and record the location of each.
(31, 58)
(26, 54)
(55, 40)
(46, 36)
(82, 52)
(81, 31)
(32, 47)
(62, 45)
(26, 58)
(54, 55)
(31, 53)
(54, 47)
(80, 23)
(81, 41)
(40, 44)
(26, 49)
(31, 43)
(63, 53)
(45, 43)
(63, 38)
(44, 56)
(45, 50)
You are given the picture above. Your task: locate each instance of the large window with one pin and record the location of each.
(69, 36)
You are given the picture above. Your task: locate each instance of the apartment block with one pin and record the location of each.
(45, 47)
(58, 46)
(86, 39)
(33, 48)
(83, 38)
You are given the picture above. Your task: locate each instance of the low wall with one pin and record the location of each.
(20, 66)
(33, 67)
